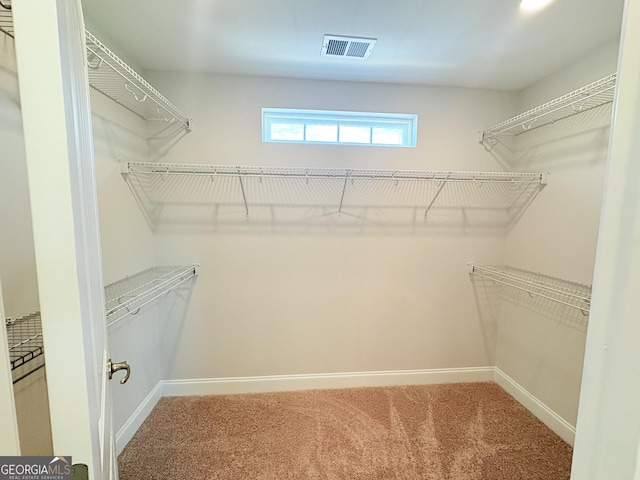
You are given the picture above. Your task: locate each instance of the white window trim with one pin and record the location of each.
(408, 122)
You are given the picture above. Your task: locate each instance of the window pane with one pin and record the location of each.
(322, 133)
(349, 134)
(387, 136)
(344, 128)
(287, 131)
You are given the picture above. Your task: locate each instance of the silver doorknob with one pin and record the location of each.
(114, 367)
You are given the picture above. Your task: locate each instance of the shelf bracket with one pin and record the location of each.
(138, 99)
(544, 179)
(244, 196)
(90, 58)
(481, 138)
(543, 183)
(487, 142)
(124, 167)
(444, 182)
(344, 189)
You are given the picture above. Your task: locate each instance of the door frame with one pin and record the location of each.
(56, 114)
(608, 428)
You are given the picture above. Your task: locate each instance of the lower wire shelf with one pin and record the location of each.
(124, 297)
(26, 347)
(565, 292)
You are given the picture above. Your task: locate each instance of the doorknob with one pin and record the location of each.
(114, 367)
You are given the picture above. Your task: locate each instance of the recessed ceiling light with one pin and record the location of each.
(532, 5)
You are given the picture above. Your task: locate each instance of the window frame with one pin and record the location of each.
(407, 122)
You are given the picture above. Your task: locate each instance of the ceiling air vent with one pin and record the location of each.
(347, 47)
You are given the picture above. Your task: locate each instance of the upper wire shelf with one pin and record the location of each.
(329, 173)
(127, 296)
(111, 76)
(567, 293)
(190, 194)
(579, 101)
(26, 347)
(6, 19)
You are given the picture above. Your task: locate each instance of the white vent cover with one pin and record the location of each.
(347, 47)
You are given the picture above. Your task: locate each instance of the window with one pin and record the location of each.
(341, 128)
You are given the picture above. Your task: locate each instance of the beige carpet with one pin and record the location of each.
(428, 432)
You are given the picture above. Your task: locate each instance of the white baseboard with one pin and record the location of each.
(551, 419)
(279, 383)
(131, 426)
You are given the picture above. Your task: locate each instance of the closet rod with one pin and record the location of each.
(535, 287)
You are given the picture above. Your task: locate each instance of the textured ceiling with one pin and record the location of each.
(469, 43)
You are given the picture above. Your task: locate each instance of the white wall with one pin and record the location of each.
(17, 260)
(540, 345)
(32, 410)
(328, 300)
(227, 115)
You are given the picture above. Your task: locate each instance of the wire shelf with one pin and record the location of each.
(26, 347)
(6, 19)
(579, 101)
(111, 76)
(169, 192)
(568, 293)
(328, 173)
(127, 296)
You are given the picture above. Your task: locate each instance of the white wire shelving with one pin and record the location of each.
(571, 294)
(127, 296)
(6, 19)
(111, 76)
(596, 94)
(166, 190)
(26, 347)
